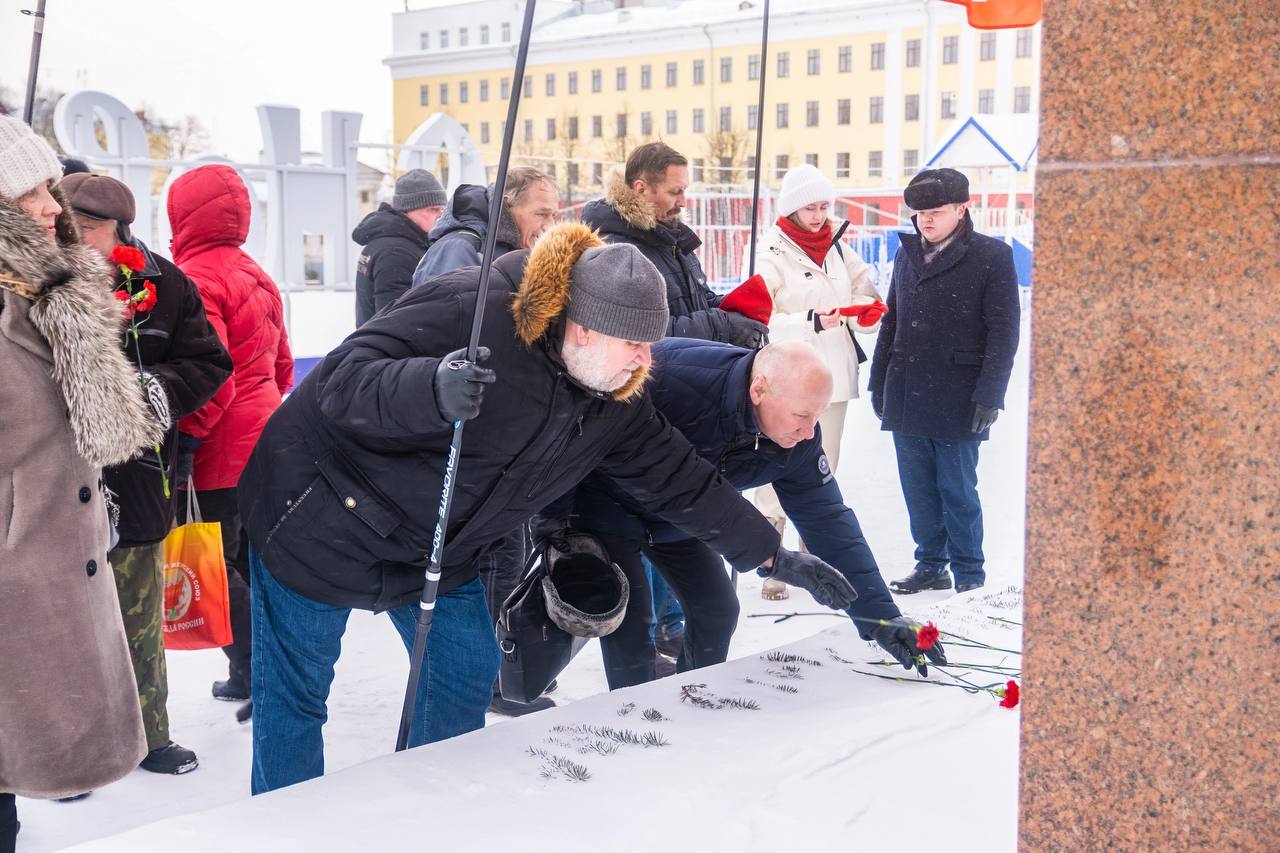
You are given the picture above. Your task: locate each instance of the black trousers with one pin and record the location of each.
(8, 823)
(220, 505)
(700, 580)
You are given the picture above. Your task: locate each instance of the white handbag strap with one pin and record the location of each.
(193, 506)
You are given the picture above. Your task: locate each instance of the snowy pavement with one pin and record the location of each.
(847, 762)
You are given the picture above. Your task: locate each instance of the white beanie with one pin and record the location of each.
(26, 160)
(803, 186)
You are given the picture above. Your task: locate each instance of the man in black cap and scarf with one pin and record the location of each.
(940, 371)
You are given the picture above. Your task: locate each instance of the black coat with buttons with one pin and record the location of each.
(177, 345)
(949, 338)
(340, 495)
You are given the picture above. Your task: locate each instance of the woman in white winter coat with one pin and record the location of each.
(810, 278)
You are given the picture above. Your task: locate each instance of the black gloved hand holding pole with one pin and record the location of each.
(459, 384)
(983, 417)
(827, 586)
(745, 332)
(898, 637)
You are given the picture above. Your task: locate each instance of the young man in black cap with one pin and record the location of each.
(395, 237)
(940, 371)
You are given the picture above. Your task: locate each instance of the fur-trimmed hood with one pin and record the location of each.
(633, 209)
(546, 288)
(73, 311)
(623, 215)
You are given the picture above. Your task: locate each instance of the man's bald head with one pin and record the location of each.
(790, 387)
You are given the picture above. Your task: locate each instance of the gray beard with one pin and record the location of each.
(586, 365)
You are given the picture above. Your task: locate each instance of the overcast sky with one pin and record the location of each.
(216, 60)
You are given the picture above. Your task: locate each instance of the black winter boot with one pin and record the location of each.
(170, 758)
(507, 708)
(231, 690)
(923, 577)
(9, 825)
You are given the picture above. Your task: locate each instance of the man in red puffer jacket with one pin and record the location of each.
(209, 214)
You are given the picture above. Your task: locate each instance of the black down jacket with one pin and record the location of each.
(393, 245)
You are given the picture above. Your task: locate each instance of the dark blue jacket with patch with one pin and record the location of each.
(701, 387)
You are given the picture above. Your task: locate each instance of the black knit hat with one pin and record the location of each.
(936, 187)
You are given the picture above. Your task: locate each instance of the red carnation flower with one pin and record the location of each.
(128, 256)
(148, 299)
(926, 637)
(1008, 695)
(122, 295)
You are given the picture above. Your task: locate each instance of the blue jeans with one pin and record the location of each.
(296, 642)
(940, 484)
(668, 615)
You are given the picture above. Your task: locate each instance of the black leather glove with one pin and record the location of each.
(827, 586)
(898, 638)
(745, 332)
(459, 384)
(983, 417)
(877, 406)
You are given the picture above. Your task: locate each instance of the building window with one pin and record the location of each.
(646, 124)
(753, 116)
(751, 168)
(726, 69)
(528, 130)
(484, 33)
(551, 85)
(504, 86)
(484, 90)
(948, 104)
(528, 85)
(699, 125)
(620, 78)
(813, 62)
(573, 174)
(620, 125)
(871, 216)
(842, 164)
(672, 74)
(784, 63)
(597, 80)
(506, 32)
(551, 129)
(573, 82)
(875, 164)
(484, 133)
(597, 127)
(986, 101)
(910, 161)
(811, 114)
(424, 95)
(913, 53)
(875, 114)
(911, 108)
(424, 41)
(877, 56)
(811, 160)
(987, 47)
(784, 115)
(753, 67)
(1022, 99)
(1024, 44)
(726, 119)
(699, 72)
(950, 50)
(780, 165)
(672, 121)
(444, 94)
(843, 109)
(646, 76)
(846, 59)
(696, 176)
(462, 37)
(571, 127)
(444, 39)
(464, 92)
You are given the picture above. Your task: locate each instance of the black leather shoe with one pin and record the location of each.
(920, 580)
(231, 690)
(507, 708)
(965, 587)
(171, 759)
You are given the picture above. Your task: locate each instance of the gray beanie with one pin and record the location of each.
(26, 160)
(418, 188)
(616, 291)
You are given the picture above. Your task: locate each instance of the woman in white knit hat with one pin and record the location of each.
(810, 280)
(70, 404)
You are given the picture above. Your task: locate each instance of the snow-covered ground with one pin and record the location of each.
(847, 762)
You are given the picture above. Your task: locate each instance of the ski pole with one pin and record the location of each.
(37, 37)
(431, 586)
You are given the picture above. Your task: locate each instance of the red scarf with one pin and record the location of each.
(816, 244)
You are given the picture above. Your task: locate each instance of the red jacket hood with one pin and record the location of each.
(208, 207)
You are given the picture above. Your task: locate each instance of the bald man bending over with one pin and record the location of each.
(755, 416)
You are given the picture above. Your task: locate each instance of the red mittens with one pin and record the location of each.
(868, 315)
(750, 299)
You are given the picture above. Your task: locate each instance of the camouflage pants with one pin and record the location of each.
(140, 584)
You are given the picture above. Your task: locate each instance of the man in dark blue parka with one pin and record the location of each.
(940, 371)
(754, 416)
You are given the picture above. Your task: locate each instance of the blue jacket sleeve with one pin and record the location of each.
(1001, 312)
(447, 254)
(811, 498)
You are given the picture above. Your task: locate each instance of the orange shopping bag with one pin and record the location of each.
(197, 612)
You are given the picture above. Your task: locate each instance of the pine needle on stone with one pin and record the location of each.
(785, 657)
(625, 710)
(653, 715)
